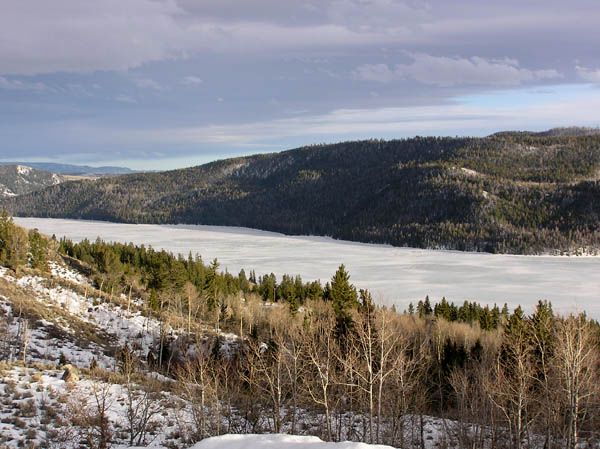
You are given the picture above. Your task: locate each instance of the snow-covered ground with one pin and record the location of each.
(121, 326)
(38, 408)
(395, 275)
(275, 441)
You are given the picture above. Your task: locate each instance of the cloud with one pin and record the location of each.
(380, 73)
(377, 14)
(125, 99)
(191, 80)
(591, 75)
(75, 36)
(483, 116)
(473, 115)
(312, 56)
(147, 83)
(12, 84)
(444, 71)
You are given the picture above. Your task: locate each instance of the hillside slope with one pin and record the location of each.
(113, 345)
(82, 367)
(516, 193)
(70, 169)
(20, 179)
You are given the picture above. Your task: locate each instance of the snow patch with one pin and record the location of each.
(68, 274)
(23, 169)
(128, 327)
(469, 172)
(5, 191)
(279, 441)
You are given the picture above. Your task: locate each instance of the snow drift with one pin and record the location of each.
(277, 441)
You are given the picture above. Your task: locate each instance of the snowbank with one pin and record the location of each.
(277, 441)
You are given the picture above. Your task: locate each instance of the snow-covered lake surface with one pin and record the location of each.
(394, 275)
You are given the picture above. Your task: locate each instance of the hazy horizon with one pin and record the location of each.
(183, 164)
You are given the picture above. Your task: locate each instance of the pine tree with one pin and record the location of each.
(211, 286)
(38, 251)
(424, 308)
(344, 298)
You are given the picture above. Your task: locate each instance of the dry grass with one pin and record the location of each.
(83, 333)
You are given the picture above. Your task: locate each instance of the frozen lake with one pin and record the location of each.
(394, 275)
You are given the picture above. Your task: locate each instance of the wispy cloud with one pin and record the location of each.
(446, 71)
(192, 80)
(470, 117)
(591, 75)
(122, 98)
(381, 73)
(147, 83)
(15, 84)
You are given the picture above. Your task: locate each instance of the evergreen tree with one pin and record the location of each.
(211, 286)
(344, 298)
(38, 251)
(424, 308)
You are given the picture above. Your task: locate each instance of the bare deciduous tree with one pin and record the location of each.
(91, 415)
(142, 402)
(576, 364)
(319, 340)
(510, 387)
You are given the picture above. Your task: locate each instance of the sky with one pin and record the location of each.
(160, 84)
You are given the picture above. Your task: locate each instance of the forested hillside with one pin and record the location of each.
(510, 192)
(76, 170)
(20, 179)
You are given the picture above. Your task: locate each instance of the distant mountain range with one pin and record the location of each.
(21, 179)
(509, 192)
(69, 169)
(568, 131)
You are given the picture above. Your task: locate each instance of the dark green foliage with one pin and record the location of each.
(367, 306)
(291, 290)
(162, 274)
(267, 285)
(19, 248)
(470, 312)
(157, 271)
(424, 308)
(344, 298)
(38, 251)
(211, 285)
(512, 192)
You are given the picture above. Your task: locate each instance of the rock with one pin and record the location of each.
(71, 374)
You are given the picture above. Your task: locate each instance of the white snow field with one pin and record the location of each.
(394, 275)
(277, 441)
